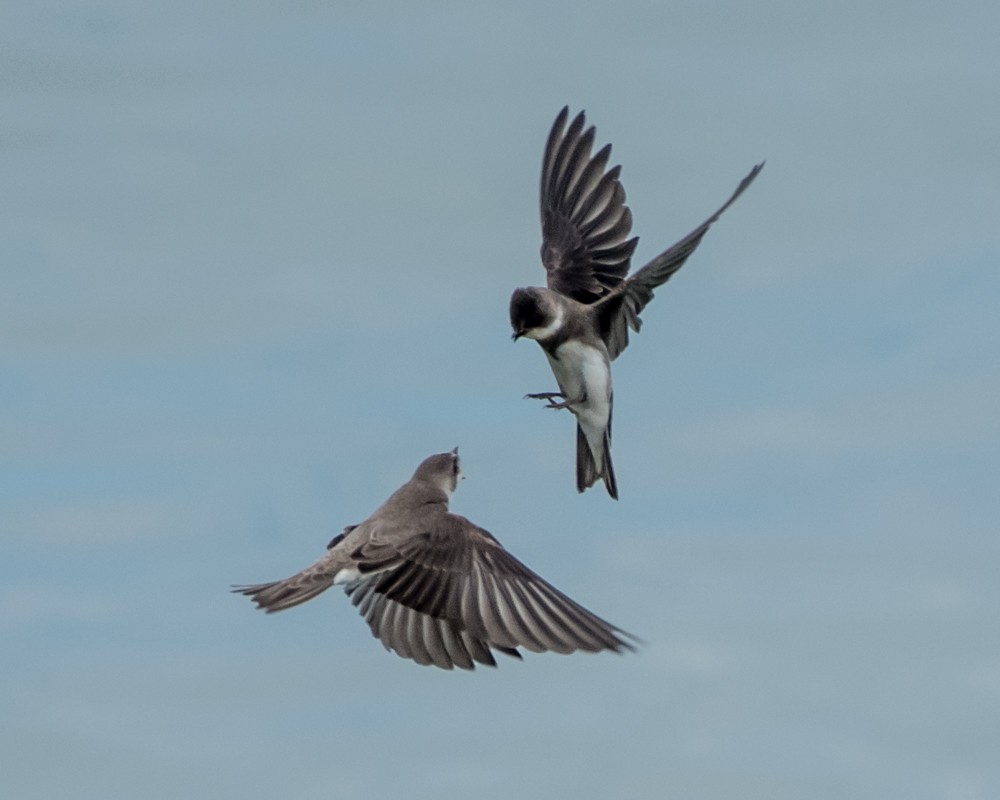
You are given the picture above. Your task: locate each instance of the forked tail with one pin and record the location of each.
(586, 467)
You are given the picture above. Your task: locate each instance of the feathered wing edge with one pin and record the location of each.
(620, 310)
(585, 222)
(457, 595)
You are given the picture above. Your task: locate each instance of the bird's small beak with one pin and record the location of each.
(515, 336)
(454, 452)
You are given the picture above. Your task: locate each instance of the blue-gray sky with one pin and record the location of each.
(255, 262)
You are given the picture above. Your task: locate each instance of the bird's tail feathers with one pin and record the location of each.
(586, 467)
(609, 471)
(279, 595)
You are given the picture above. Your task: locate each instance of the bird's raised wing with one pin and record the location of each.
(450, 595)
(585, 222)
(620, 309)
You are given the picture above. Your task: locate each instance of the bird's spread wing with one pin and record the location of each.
(449, 595)
(620, 309)
(585, 222)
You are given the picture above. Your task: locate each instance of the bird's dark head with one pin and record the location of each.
(533, 313)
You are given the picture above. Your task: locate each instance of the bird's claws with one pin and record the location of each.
(550, 397)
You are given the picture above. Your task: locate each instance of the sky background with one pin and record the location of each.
(256, 259)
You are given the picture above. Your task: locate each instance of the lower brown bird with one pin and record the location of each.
(435, 588)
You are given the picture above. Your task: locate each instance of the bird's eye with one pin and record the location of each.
(454, 466)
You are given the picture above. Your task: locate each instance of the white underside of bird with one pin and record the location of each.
(583, 373)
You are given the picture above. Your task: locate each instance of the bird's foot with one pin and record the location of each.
(565, 404)
(544, 396)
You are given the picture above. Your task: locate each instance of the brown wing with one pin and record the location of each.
(585, 222)
(619, 310)
(455, 594)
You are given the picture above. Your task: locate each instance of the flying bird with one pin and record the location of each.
(438, 589)
(581, 318)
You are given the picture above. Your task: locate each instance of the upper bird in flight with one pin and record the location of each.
(438, 589)
(581, 319)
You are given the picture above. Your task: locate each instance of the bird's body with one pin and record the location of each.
(583, 373)
(581, 318)
(438, 589)
(582, 368)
